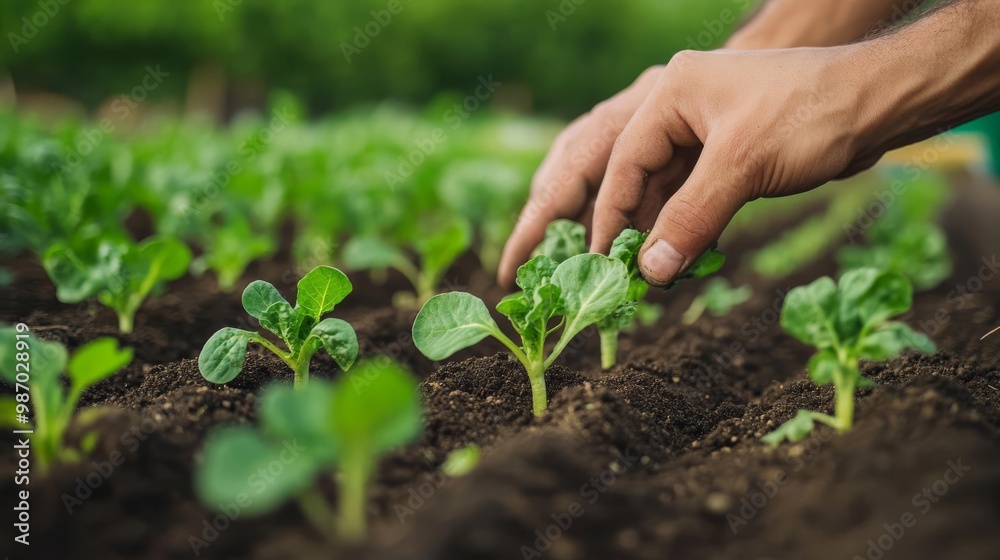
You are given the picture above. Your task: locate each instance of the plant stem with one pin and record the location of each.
(539, 399)
(609, 347)
(844, 381)
(301, 369)
(317, 512)
(694, 312)
(126, 322)
(354, 474)
(844, 407)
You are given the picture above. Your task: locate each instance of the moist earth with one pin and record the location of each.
(657, 458)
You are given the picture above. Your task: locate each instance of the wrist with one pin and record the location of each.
(922, 79)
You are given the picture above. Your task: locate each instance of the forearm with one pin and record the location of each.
(935, 73)
(816, 23)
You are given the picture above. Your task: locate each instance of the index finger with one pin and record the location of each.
(643, 148)
(548, 203)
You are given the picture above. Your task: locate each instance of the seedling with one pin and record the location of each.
(580, 291)
(846, 322)
(487, 192)
(918, 251)
(565, 238)
(436, 250)
(34, 368)
(118, 271)
(299, 327)
(231, 247)
(718, 298)
(904, 238)
(350, 424)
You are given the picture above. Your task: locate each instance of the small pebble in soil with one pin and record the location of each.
(628, 539)
(718, 503)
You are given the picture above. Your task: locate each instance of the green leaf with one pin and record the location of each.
(516, 304)
(563, 239)
(449, 322)
(870, 296)
(592, 286)
(223, 355)
(339, 340)
(163, 258)
(362, 253)
(376, 406)
(721, 297)
(79, 275)
(823, 366)
(288, 323)
(46, 359)
(306, 416)
(535, 273)
(796, 429)
(462, 461)
(97, 360)
(810, 313)
(891, 339)
(8, 413)
(321, 289)
(441, 247)
(626, 247)
(259, 296)
(708, 263)
(231, 471)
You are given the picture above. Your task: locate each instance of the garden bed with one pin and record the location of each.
(657, 458)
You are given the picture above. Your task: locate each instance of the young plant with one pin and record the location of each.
(718, 298)
(579, 292)
(299, 327)
(118, 271)
(487, 192)
(34, 367)
(904, 237)
(349, 425)
(565, 238)
(230, 247)
(846, 322)
(436, 250)
(918, 251)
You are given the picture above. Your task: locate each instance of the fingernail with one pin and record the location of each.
(661, 263)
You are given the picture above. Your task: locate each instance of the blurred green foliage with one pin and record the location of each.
(562, 55)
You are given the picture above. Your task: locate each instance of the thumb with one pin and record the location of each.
(692, 219)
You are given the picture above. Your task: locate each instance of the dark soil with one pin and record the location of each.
(657, 458)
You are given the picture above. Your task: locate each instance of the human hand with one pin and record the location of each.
(566, 182)
(716, 130)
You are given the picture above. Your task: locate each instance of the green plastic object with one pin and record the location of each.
(989, 127)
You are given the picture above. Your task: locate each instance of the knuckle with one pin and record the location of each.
(682, 61)
(742, 155)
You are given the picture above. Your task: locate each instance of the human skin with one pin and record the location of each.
(698, 138)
